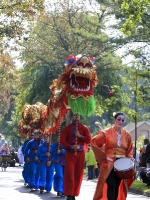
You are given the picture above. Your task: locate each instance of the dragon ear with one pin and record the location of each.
(70, 60)
(92, 59)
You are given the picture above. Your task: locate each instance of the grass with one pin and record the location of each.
(138, 185)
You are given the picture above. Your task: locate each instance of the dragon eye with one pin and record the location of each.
(88, 65)
(80, 64)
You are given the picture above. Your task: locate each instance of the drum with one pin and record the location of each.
(124, 168)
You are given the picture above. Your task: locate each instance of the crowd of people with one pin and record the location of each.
(60, 164)
(143, 163)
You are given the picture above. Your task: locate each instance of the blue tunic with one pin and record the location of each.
(59, 164)
(46, 172)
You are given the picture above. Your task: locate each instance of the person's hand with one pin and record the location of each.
(48, 163)
(36, 158)
(28, 159)
(147, 173)
(58, 151)
(78, 134)
(48, 154)
(143, 168)
(75, 147)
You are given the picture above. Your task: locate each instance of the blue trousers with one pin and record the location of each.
(25, 172)
(34, 175)
(90, 172)
(59, 178)
(46, 176)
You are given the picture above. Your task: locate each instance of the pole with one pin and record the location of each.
(135, 99)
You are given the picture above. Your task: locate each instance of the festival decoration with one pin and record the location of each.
(79, 81)
(32, 118)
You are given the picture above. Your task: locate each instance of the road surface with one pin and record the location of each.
(12, 188)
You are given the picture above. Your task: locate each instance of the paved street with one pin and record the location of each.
(12, 186)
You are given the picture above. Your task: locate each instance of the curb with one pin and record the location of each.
(135, 191)
(132, 190)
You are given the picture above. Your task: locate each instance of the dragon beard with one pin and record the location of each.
(81, 106)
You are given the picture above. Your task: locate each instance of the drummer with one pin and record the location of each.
(111, 144)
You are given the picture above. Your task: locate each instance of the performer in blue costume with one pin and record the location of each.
(59, 163)
(25, 172)
(46, 165)
(32, 158)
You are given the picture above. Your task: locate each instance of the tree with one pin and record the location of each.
(74, 31)
(135, 12)
(16, 15)
(8, 81)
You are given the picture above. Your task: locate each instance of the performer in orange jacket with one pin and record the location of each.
(74, 141)
(109, 145)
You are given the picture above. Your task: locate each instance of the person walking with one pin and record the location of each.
(73, 140)
(26, 167)
(46, 165)
(90, 163)
(58, 153)
(108, 146)
(31, 157)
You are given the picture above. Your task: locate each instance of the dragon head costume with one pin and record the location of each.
(79, 81)
(32, 118)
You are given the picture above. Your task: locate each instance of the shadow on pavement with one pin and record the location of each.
(44, 196)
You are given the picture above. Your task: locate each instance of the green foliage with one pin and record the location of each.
(16, 15)
(133, 10)
(139, 142)
(139, 185)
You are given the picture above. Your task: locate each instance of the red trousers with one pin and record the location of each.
(74, 168)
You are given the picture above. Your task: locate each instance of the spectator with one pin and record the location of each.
(143, 159)
(96, 170)
(4, 149)
(145, 175)
(148, 156)
(90, 163)
(137, 164)
(20, 156)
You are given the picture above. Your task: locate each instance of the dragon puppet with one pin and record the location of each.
(32, 118)
(73, 90)
(57, 107)
(79, 80)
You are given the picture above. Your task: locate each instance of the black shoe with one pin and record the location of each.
(41, 190)
(69, 198)
(59, 194)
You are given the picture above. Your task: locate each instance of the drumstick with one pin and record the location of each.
(98, 124)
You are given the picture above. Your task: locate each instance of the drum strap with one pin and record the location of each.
(116, 156)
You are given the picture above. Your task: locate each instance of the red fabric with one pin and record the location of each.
(66, 138)
(85, 148)
(73, 173)
(74, 163)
